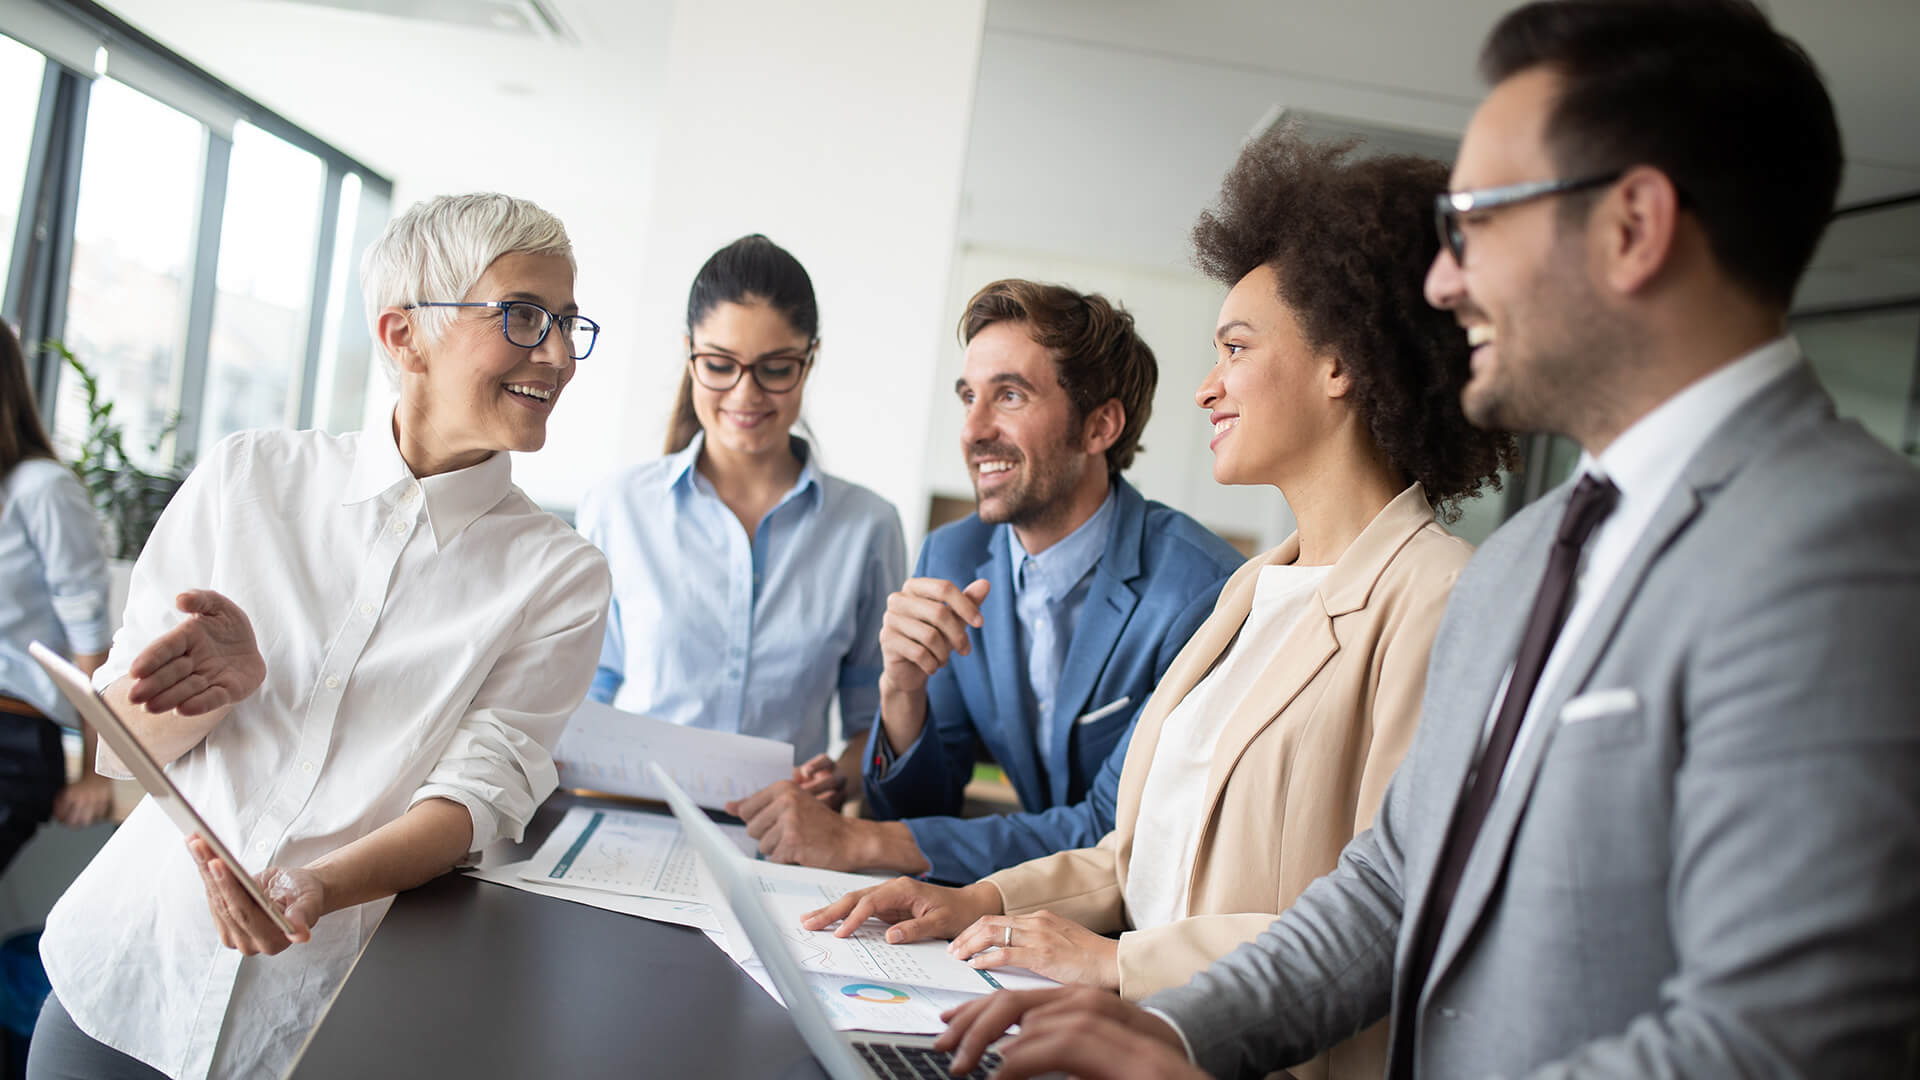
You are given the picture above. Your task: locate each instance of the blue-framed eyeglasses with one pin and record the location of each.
(1448, 206)
(526, 323)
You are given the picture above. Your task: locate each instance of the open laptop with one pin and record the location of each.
(78, 689)
(843, 1056)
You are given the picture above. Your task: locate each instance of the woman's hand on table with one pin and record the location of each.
(1043, 943)
(298, 893)
(916, 909)
(207, 662)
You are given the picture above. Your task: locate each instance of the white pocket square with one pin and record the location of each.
(1105, 710)
(1599, 703)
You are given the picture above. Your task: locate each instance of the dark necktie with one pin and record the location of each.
(1593, 499)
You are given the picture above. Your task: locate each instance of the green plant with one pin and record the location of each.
(129, 499)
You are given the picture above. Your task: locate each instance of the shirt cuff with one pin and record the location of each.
(1185, 1046)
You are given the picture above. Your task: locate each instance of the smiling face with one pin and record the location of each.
(1024, 444)
(747, 420)
(1535, 321)
(473, 392)
(1272, 402)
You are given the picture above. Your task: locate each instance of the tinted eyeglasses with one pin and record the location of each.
(1450, 206)
(776, 373)
(526, 323)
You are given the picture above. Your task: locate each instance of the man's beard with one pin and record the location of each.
(1041, 493)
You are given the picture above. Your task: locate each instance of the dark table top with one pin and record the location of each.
(470, 979)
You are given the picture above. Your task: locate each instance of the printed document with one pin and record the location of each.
(606, 749)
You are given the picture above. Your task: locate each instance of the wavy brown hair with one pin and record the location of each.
(21, 434)
(1350, 241)
(1097, 354)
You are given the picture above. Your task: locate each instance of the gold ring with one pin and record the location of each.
(1006, 941)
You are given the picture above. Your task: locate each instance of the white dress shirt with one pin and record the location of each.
(1168, 828)
(423, 639)
(1644, 462)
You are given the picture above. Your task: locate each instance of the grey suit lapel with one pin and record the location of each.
(1763, 420)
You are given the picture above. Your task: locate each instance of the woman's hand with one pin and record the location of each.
(1074, 1029)
(916, 909)
(206, 663)
(1043, 943)
(297, 893)
(820, 777)
(84, 801)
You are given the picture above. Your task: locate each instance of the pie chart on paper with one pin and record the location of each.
(875, 994)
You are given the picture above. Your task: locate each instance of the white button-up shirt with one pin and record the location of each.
(423, 639)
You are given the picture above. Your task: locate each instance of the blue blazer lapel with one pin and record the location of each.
(1109, 604)
(1006, 672)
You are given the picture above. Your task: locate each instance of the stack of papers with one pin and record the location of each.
(638, 864)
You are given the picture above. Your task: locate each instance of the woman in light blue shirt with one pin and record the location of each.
(748, 584)
(53, 588)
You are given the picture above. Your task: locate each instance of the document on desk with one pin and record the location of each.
(792, 891)
(678, 912)
(607, 749)
(853, 1003)
(630, 852)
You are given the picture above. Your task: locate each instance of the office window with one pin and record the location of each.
(264, 286)
(1869, 362)
(21, 72)
(128, 294)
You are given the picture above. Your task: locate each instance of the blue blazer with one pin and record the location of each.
(1152, 588)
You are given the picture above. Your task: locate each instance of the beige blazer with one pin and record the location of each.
(1299, 769)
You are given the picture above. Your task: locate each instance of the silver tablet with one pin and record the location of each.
(114, 732)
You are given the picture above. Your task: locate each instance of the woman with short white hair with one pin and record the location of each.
(353, 652)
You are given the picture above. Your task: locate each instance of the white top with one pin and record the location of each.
(1644, 462)
(415, 648)
(1168, 829)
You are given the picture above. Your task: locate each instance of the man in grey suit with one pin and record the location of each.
(1662, 816)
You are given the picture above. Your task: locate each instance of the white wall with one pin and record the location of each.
(839, 130)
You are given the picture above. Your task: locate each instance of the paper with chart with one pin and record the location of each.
(630, 852)
(856, 1004)
(791, 891)
(691, 913)
(606, 749)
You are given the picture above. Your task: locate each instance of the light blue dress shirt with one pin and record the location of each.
(711, 630)
(53, 579)
(1048, 592)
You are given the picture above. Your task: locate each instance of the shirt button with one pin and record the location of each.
(306, 766)
(412, 492)
(399, 527)
(333, 682)
(259, 847)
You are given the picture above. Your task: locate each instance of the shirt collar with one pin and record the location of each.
(454, 500)
(1647, 458)
(683, 479)
(1057, 569)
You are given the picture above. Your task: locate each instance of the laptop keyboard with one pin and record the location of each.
(918, 1062)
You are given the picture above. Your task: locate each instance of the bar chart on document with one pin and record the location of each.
(607, 749)
(623, 851)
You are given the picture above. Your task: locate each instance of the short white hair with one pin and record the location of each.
(440, 248)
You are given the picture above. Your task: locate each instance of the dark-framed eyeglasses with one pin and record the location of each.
(526, 323)
(776, 373)
(1450, 206)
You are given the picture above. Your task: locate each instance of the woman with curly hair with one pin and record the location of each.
(1269, 742)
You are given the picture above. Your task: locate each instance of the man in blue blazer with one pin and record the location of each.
(1039, 625)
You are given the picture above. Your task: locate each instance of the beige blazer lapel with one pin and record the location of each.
(1202, 651)
(1307, 648)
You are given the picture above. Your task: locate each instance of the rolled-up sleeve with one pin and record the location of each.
(499, 762)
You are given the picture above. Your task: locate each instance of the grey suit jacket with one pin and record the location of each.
(1707, 861)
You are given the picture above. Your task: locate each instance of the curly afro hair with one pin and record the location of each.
(1350, 241)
